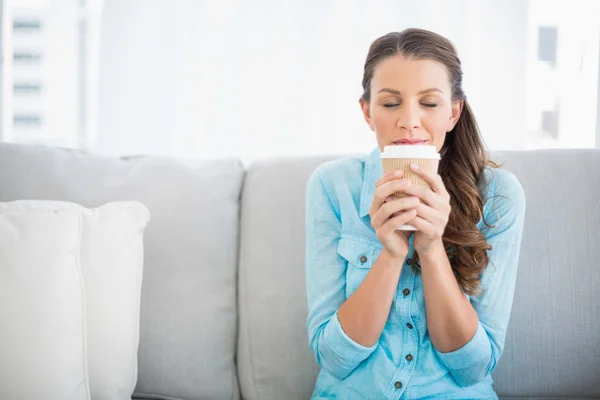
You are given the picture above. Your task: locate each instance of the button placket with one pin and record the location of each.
(403, 306)
(402, 376)
(405, 284)
(399, 381)
(409, 330)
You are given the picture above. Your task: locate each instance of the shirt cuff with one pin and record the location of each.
(477, 349)
(342, 345)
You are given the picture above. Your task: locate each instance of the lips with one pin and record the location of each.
(409, 142)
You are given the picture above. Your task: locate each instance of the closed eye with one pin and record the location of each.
(391, 105)
(430, 105)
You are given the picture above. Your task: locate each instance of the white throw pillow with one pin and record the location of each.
(111, 257)
(42, 308)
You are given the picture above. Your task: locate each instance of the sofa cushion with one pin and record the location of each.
(188, 310)
(110, 256)
(42, 306)
(274, 360)
(552, 346)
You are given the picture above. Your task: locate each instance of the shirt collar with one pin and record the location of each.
(372, 172)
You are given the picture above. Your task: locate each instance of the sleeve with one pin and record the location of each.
(506, 213)
(336, 353)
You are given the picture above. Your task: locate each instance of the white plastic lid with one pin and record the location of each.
(410, 151)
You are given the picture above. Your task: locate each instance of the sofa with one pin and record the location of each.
(223, 308)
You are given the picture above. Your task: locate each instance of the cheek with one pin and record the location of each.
(436, 125)
(382, 121)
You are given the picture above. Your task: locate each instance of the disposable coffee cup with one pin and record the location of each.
(401, 157)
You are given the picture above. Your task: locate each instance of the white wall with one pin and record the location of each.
(211, 79)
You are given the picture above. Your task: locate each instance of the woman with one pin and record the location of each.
(396, 314)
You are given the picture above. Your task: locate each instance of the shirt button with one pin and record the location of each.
(408, 262)
(409, 358)
(406, 292)
(363, 259)
(409, 325)
(398, 384)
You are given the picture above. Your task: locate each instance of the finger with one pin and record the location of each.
(426, 195)
(426, 228)
(393, 186)
(388, 176)
(386, 190)
(431, 215)
(392, 224)
(388, 209)
(420, 224)
(434, 180)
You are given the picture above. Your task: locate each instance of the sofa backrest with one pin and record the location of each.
(553, 342)
(189, 307)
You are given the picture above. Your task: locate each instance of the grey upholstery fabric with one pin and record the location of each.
(553, 341)
(188, 326)
(188, 321)
(274, 361)
(546, 398)
(553, 344)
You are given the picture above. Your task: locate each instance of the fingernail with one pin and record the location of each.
(397, 173)
(414, 166)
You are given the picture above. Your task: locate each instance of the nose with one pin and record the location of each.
(409, 118)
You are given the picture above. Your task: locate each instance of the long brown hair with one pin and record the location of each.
(463, 155)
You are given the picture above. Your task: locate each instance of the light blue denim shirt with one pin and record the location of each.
(341, 246)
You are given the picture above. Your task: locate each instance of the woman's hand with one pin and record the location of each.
(388, 213)
(433, 211)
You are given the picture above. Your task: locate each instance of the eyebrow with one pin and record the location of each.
(397, 93)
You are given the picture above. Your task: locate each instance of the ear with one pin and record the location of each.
(457, 107)
(365, 106)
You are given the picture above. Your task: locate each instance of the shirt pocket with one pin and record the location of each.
(360, 256)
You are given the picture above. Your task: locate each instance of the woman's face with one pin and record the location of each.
(411, 103)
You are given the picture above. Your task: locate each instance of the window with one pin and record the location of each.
(562, 74)
(229, 79)
(47, 79)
